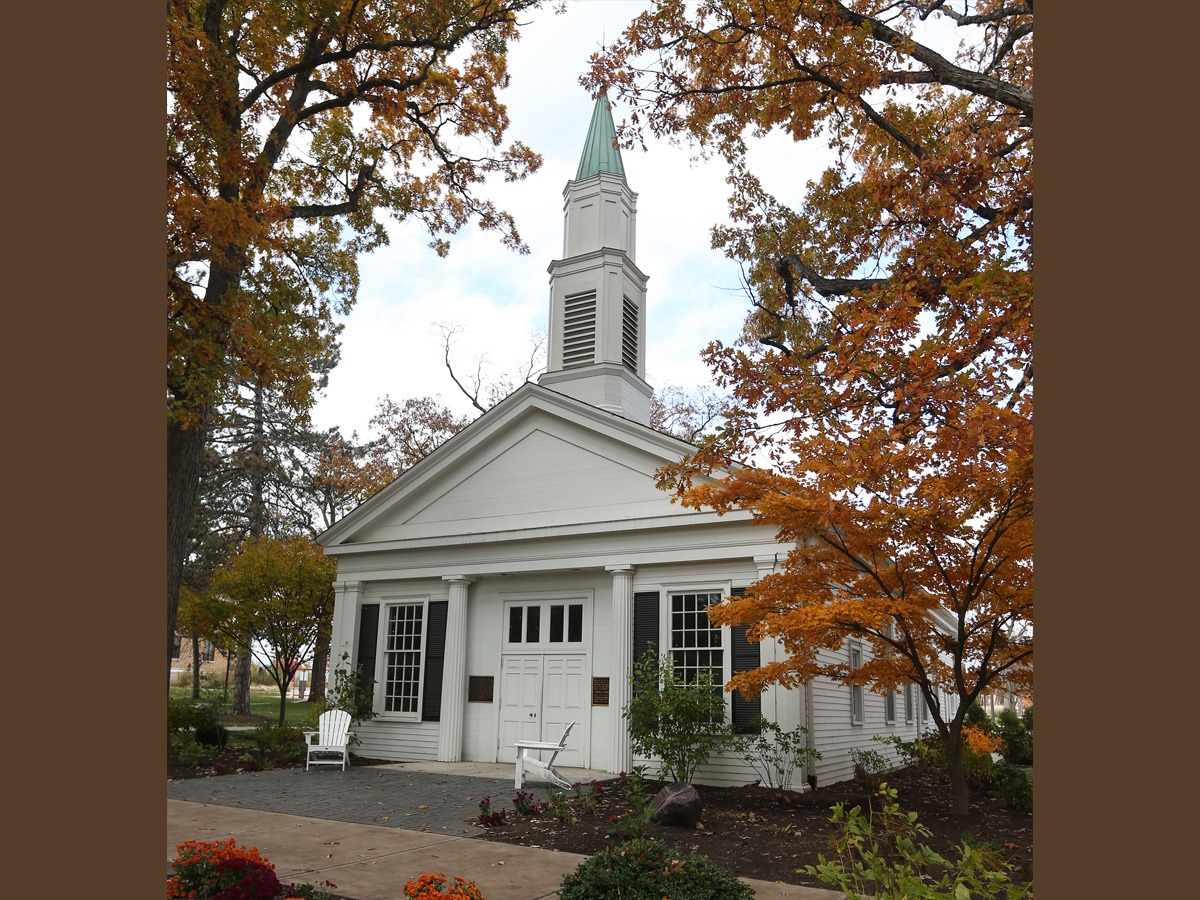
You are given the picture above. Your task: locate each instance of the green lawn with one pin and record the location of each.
(296, 712)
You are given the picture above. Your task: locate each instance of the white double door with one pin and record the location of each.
(540, 694)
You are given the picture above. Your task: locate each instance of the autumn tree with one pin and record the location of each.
(884, 381)
(344, 472)
(272, 601)
(255, 478)
(408, 431)
(687, 414)
(291, 129)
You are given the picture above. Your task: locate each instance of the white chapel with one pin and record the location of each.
(503, 587)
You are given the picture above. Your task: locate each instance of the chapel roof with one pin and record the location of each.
(600, 153)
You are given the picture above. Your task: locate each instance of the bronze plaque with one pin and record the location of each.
(479, 689)
(599, 692)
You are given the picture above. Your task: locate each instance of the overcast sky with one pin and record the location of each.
(391, 343)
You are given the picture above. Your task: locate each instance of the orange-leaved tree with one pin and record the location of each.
(884, 379)
(291, 128)
(272, 600)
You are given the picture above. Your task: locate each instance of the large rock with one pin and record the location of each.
(677, 804)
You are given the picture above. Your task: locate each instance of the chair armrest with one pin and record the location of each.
(538, 745)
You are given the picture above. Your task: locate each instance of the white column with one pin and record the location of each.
(622, 663)
(454, 672)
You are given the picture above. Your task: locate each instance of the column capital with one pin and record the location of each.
(621, 569)
(347, 585)
(766, 564)
(458, 579)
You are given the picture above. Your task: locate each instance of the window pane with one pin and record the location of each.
(514, 624)
(575, 623)
(556, 624)
(692, 636)
(402, 659)
(533, 627)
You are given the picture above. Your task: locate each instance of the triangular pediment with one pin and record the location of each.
(539, 460)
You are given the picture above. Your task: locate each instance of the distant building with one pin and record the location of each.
(212, 660)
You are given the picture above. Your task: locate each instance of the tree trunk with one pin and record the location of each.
(195, 667)
(316, 693)
(185, 450)
(958, 776)
(283, 688)
(241, 684)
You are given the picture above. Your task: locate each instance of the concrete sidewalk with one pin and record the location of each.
(370, 829)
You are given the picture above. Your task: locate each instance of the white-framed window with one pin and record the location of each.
(889, 697)
(176, 646)
(928, 705)
(208, 652)
(403, 650)
(854, 652)
(551, 624)
(910, 703)
(696, 644)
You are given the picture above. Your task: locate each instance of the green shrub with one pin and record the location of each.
(880, 855)
(872, 761)
(928, 750)
(773, 753)
(679, 723)
(287, 740)
(202, 718)
(978, 716)
(1017, 745)
(212, 734)
(190, 753)
(646, 868)
(1011, 786)
(186, 714)
(1027, 718)
(351, 691)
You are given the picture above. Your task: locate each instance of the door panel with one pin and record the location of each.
(520, 702)
(540, 694)
(564, 700)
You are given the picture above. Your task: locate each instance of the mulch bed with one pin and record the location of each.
(768, 834)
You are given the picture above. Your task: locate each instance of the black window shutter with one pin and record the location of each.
(645, 625)
(745, 657)
(435, 659)
(368, 642)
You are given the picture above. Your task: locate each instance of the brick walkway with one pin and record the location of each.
(437, 803)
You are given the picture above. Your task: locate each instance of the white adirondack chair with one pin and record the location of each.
(534, 767)
(333, 737)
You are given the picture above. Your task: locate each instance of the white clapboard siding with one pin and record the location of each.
(402, 742)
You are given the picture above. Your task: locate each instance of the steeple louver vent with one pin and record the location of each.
(579, 330)
(629, 334)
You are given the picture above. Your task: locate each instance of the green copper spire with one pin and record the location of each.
(599, 152)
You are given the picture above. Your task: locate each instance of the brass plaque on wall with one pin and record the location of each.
(479, 689)
(599, 692)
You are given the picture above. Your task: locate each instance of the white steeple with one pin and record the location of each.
(597, 294)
